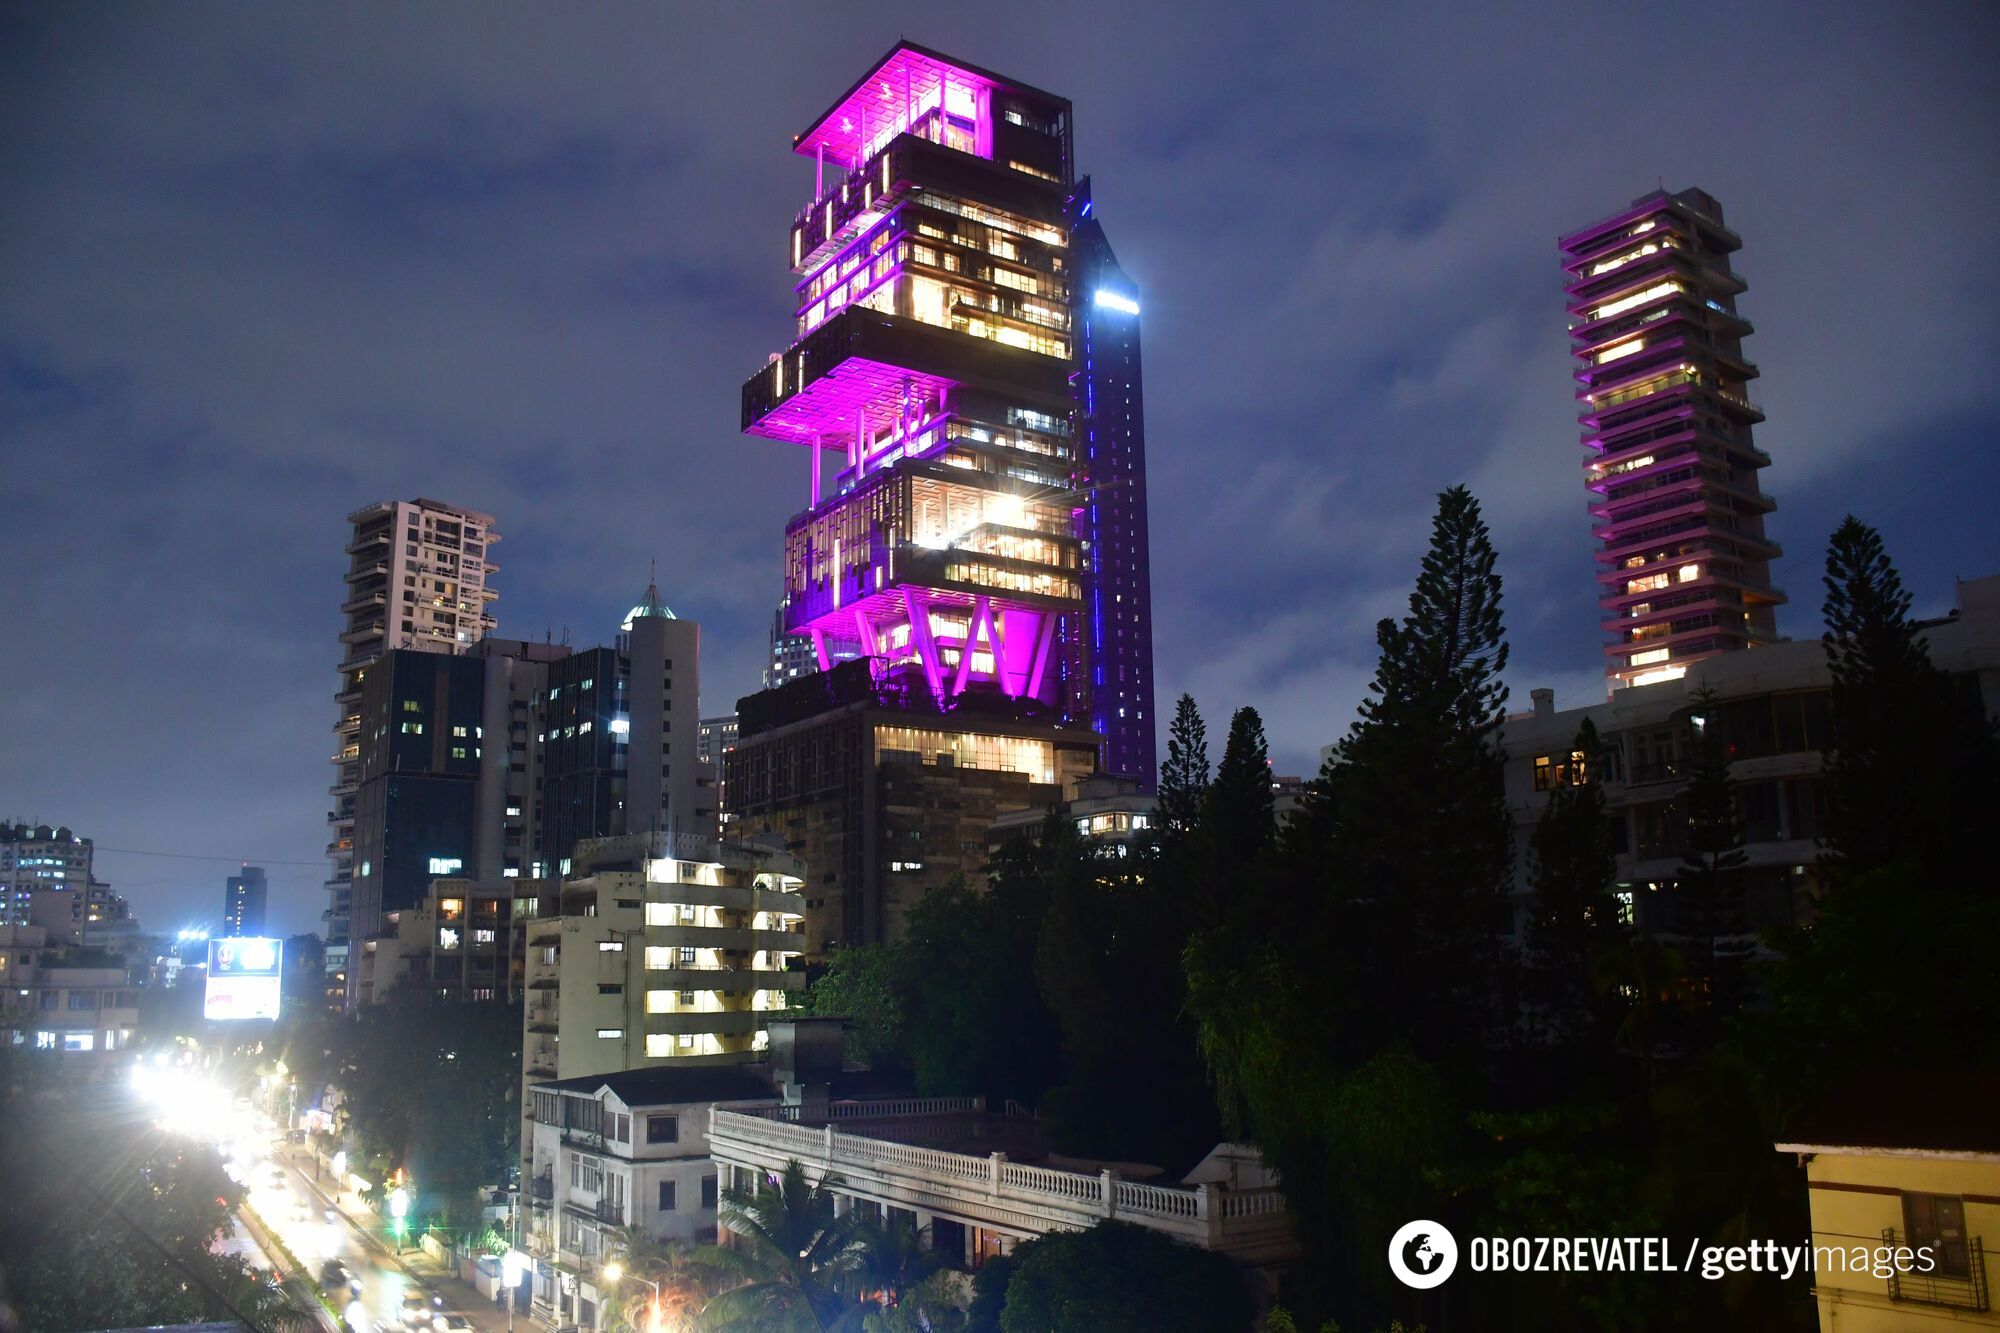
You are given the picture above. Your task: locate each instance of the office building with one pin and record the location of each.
(1772, 712)
(417, 580)
(1684, 566)
(36, 858)
(1110, 809)
(1115, 651)
(792, 654)
(243, 902)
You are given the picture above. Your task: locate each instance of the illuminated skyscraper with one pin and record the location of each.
(938, 304)
(1684, 565)
(1116, 649)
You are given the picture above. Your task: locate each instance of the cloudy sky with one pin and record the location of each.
(260, 265)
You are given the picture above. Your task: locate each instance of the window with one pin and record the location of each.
(611, 946)
(1552, 771)
(663, 1129)
(1937, 1222)
(708, 1191)
(666, 1196)
(621, 1127)
(609, 1033)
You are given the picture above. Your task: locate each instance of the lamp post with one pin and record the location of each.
(614, 1270)
(399, 1208)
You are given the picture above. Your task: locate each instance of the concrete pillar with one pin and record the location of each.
(993, 1164)
(1110, 1179)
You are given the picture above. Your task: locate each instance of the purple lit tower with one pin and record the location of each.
(934, 294)
(1684, 565)
(1116, 651)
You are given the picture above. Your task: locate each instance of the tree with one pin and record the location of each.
(686, 1280)
(1910, 770)
(1117, 1277)
(970, 964)
(1412, 820)
(892, 1260)
(1712, 843)
(1239, 801)
(796, 1257)
(865, 984)
(1571, 868)
(1184, 775)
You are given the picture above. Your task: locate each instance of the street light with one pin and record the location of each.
(513, 1272)
(614, 1270)
(399, 1208)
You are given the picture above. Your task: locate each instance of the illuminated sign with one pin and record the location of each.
(243, 978)
(446, 865)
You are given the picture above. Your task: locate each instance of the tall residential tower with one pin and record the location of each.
(935, 359)
(1684, 565)
(416, 579)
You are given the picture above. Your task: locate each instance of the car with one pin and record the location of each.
(451, 1323)
(334, 1276)
(419, 1309)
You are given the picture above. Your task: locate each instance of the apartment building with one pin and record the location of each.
(417, 579)
(36, 858)
(467, 940)
(616, 1150)
(67, 1001)
(1772, 715)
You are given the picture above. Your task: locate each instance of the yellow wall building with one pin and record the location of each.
(1905, 1167)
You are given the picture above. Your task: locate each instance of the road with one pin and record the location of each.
(303, 1215)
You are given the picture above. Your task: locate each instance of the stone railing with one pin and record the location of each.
(1011, 1196)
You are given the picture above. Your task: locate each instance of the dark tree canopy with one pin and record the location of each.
(1119, 1278)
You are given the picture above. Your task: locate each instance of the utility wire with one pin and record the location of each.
(190, 856)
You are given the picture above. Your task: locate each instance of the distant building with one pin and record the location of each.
(243, 901)
(1904, 1160)
(1684, 566)
(467, 940)
(87, 914)
(1772, 715)
(36, 857)
(68, 1001)
(494, 764)
(792, 655)
(1109, 808)
(417, 580)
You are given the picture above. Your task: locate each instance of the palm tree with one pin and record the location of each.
(256, 1296)
(794, 1255)
(891, 1259)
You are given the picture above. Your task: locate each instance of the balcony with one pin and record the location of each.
(370, 569)
(372, 540)
(1969, 1290)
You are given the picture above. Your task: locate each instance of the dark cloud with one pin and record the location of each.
(265, 265)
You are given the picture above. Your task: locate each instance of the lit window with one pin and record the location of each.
(610, 1033)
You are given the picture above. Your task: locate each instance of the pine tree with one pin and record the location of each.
(1909, 771)
(1240, 805)
(1421, 837)
(1571, 868)
(1184, 775)
(1712, 840)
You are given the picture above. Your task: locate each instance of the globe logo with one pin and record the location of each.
(1422, 1254)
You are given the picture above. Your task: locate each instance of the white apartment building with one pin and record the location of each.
(417, 578)
(613, 1150)
(38, 858)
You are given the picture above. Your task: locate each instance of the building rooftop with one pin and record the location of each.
(910, 78)
(666, 1086)
(1907, 1112)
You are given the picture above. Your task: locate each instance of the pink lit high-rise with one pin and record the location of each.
(1684, 565)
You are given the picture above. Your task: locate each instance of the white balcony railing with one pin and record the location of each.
(993, 1191)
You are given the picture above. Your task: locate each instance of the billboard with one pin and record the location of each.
(243, 978)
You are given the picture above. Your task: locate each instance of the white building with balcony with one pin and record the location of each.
(617, 1150)
(71, 1002)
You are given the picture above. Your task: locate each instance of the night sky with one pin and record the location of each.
(260, 266)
